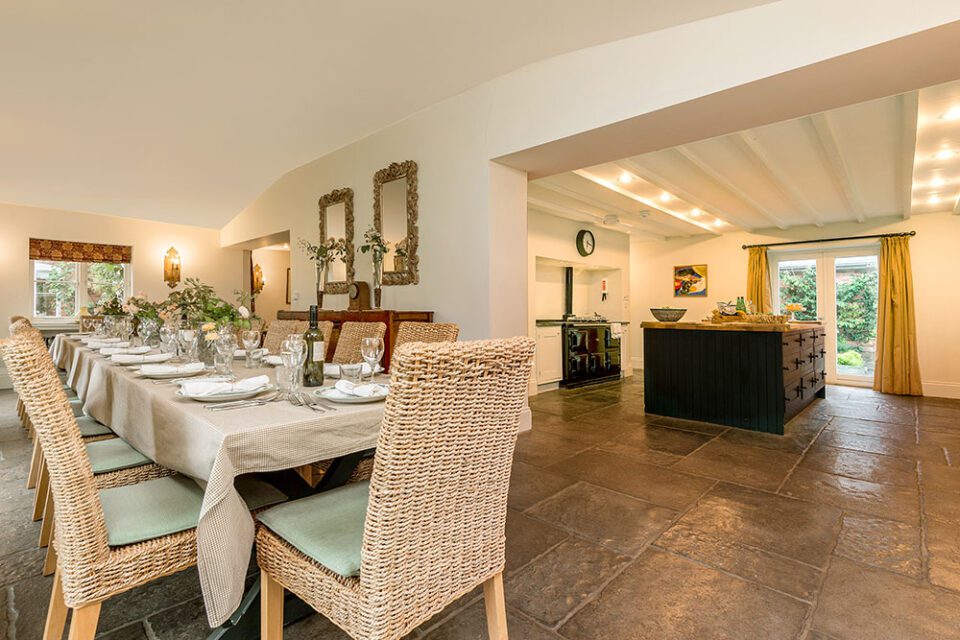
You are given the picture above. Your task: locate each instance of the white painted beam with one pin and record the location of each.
(639, 170)
(909, 107)
(583, 173)
(956, 206)
(555, 208)
(721, 181)
(755, 151)
(825, 137)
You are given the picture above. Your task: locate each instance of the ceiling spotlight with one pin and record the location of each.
(665, 197)
(944, 154)
(934, 199)
(953, 113)
(625, 178)
(696, 213)
(718, 222)
(938, 182)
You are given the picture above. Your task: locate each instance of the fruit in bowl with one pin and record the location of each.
(667, 314)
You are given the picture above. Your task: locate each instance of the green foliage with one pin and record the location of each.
(104, 280)
(58, 293)
(800, 285)
(857, 308)
(199, 302)
(850, 359)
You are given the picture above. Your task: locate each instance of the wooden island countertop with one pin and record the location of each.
(729, 326)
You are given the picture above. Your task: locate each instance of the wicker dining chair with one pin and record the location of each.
(278, 331)
(351, 335)
(426, 332)
(382, 557)
(108, 541)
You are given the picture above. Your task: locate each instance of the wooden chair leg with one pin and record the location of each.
(496, 608)
(271, 608)
(56, 612)
(46, 527)
(34, 465)
(40, 498)
(83, 624)
(50, 562)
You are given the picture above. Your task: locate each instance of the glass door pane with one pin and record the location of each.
(797, 282)
(856, 283)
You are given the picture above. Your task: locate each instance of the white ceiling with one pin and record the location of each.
(865, 161)
(185, 111)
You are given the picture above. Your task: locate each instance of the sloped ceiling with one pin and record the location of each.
(898, 156)
(185, 111)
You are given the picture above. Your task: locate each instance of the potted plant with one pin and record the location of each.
(322, 255)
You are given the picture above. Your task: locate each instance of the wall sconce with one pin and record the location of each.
(258, 280)
(171, 268)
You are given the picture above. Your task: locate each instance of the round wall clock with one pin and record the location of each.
(585, 242)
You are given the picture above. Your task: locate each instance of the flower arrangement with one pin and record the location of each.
(108, 305)
(244, 304)
(140, 307)
(325, 252)
(200, 303)
(374, 244)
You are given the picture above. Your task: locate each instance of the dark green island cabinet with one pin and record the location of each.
(751, 376)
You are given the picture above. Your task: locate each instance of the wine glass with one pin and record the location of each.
(187, 338)
(168, 339)
(225, 347)
(293, 353)
(148, 330)
(372, 350)
(251, 341)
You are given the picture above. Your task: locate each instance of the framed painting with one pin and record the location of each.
(690, 281)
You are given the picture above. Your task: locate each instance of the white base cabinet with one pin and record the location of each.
(549, 359)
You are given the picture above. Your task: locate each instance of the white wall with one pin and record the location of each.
(472, 226)
(933, 252)
(274, 264)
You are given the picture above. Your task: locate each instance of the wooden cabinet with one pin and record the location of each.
(549, 359)
(753, 379)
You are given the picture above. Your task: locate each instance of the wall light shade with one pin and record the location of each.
(258, 280)
(171, 268)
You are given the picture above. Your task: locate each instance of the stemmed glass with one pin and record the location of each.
(225, 347)
(293, 353)
(372, 350)
(187, 337)
(251, 341)
(168, 339)
(125, 328)
(148, 330)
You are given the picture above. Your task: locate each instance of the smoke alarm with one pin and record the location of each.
(610, 220)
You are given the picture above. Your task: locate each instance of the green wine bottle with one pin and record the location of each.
(741, 305)
(313, 367)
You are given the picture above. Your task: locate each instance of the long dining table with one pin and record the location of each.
(213, 448)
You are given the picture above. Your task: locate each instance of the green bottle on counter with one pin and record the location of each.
(741, 305)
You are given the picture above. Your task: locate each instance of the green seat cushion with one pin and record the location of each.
(90, 427)
(150, 509)
(166, 506)
(113, 455)
(77, 406)
(327, 527)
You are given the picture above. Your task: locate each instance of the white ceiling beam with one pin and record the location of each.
(646, 201)
(721, 181)
(909, 108)
(755, 151)
(555, 208)
(825, 137)
(662, 229)
(956, 206)
(658, 181)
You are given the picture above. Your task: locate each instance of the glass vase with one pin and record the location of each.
(377, 281)
(322, 272)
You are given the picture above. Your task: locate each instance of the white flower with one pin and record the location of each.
(244, 312)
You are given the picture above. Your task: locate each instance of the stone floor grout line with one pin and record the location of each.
(12, 614)
(803, 454)
(924, 550)
(808, 622)
(682, 458)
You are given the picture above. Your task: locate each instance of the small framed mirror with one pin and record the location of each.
(395, 210)
(336, 221)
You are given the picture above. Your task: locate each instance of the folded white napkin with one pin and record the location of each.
(92, 338)
(361, 390)
(127, 358)
(195, 388)
(274, 360)
(101, 345)
(242, 353)
(165, 369)
(113, 351)
(331, 369)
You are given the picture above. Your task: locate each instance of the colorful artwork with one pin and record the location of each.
(690, 280)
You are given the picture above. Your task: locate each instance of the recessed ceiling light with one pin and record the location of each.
(938, 182)
(625, 178)
(718, 222)
(944, 154)
(665, 197)
(953, 113)
(934, 199)
(695, 213)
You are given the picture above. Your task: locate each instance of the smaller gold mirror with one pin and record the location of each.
(395, 211)
(336, 221)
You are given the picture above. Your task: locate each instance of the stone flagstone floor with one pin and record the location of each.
(631, 526)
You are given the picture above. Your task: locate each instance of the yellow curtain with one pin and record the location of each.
(897, 368)
(758, 280)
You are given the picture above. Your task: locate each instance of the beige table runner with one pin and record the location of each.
(213, 448)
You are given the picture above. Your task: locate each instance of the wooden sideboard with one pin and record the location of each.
(387, 316)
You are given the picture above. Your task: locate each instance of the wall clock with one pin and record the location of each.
(585, 242)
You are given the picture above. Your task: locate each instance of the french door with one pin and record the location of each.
(840, 288)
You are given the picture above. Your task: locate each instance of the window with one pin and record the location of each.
(61, 289)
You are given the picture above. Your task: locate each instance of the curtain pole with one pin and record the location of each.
(878, 235)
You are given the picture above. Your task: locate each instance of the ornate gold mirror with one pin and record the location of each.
(395, 212)
(336, 221)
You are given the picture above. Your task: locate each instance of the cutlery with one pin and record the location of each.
(244, 405)
(307, 402)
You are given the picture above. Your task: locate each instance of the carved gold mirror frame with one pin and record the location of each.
(337, 196)
(400, 170)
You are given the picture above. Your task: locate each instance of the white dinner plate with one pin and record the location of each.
(171, 375)
(335, 395)
(227, 397)
(332, 370)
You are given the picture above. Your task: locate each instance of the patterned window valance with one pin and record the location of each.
(65, 251)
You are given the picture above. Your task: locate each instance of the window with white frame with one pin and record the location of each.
(62, 289)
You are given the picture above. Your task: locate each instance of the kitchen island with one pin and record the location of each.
(751, 376)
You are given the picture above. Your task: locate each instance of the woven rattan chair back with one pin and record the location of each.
(351, 334)
(15, 319)
(80, 530)
(426, 332)
(278, 331)
(438, 494)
